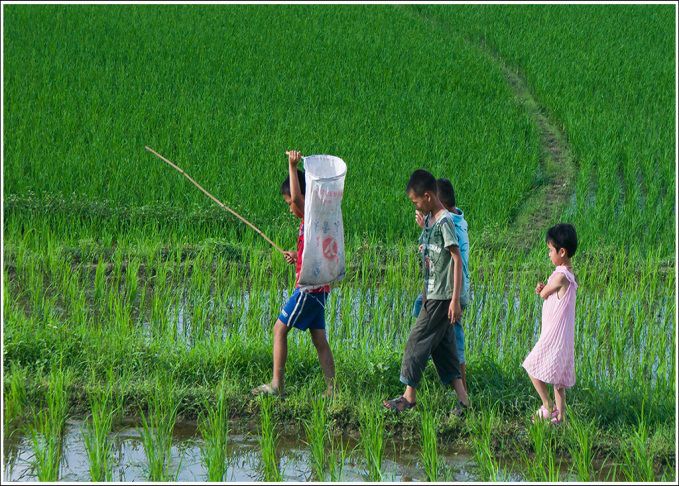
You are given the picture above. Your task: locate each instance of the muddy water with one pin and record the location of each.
(129, 458)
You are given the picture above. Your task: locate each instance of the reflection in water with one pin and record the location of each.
(129, 459)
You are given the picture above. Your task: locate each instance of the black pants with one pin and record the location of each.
(433, 334)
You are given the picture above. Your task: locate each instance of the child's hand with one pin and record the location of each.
(454, 312)
(420, 248)
(294, 157)
(419, 219)
(290, 256)
(539, 287)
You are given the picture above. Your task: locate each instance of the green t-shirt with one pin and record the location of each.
(436, 241)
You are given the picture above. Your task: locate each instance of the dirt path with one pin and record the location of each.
(545, 202)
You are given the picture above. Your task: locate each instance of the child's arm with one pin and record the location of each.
(419, 219)
(295, 193)
(559, 282)
(455, 310)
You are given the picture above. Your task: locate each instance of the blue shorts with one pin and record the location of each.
(304, 310)
(459, 331)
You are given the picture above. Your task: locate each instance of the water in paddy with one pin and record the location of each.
(129, 459)
(401, 460)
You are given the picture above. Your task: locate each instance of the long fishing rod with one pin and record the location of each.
(215, 199)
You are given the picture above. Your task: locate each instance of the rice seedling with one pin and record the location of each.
(268, 441)
(46, 447)
(637, 459)
(429, 454)
(581, 446)
(317, 431)
(157, 427)
(482, 424)
(103, 409)
(543, 466)
(214, 428)
(372, 439)
(48, 427)
(15, 402)
(336, 457)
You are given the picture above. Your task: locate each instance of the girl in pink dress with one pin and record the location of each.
(552, 359)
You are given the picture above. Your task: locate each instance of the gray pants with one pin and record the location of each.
(433, 334)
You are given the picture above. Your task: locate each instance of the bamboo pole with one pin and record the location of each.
(214, 198)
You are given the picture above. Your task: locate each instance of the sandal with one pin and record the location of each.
(460, 409)
(555, 417)
(542, 414)
(398, 404)
(266, 389)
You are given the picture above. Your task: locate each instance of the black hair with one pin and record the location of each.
(420, 182)
(445, 192)
(285, 187)
(563, 235)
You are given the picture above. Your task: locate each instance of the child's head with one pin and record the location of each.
(562, 242)
(285, 192)
(446, 193)
(421, 190)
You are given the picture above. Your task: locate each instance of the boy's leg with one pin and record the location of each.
(324, 357)
(463, 372)
(560, 396)
(459, 341)
(280, 355)
(445, 358)
(423, 337)
(543, 391)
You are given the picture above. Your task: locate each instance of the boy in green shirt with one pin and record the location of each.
(433, 334)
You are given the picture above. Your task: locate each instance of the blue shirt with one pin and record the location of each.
(463, 241)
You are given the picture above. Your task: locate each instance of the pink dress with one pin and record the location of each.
(552, 359)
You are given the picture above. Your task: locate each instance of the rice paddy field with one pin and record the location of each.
(137, 314)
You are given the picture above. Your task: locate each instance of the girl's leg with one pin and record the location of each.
(543, 391)
(560, 396)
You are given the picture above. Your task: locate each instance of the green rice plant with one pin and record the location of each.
(268, 441)
(46, 447)
(637, 459)
(316, 432)
(48, 426)
(372, 439)
(103, 409)
(100, 281)
(429, 454)
(482, 423)
(15, 401)
(580, 446)
(157, 427)
(336, 457)
(213, 425)
(132, 280)
(543, 466)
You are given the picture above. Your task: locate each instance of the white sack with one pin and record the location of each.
(323, 254)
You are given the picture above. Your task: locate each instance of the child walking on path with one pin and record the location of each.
(433, 334)
(304, 309)
(446, 194)
(552, 360)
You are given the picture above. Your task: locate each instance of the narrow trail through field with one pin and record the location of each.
(545, 202)
(554, 182)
